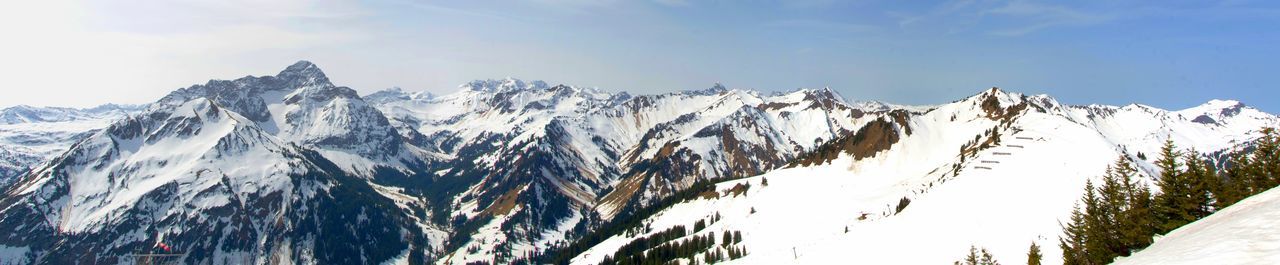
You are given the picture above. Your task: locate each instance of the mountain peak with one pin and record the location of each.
(1223, 103)
(301, 65)
(1217, 108)
(504, 85)
(717, 88)
(304, 71)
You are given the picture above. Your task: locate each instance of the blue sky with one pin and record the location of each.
(1170, 54)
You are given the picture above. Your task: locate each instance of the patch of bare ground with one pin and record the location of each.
(875, 136)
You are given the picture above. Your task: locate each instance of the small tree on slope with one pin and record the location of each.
(1033, 254)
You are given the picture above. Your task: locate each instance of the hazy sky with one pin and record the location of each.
(1170, 54)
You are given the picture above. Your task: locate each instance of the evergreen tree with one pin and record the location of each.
(1114, 221)
(1033, 254)
(728, 239)
(1099, 221)
(978, 257)
(1266, 161)
(1202, 179)
(1171, 205)
(1072, 240)
(1235, 182)
(1136, 223)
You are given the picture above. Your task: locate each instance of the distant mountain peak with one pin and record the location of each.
(1215, 109)
(304, 71)
(716, 88)
(504, 85)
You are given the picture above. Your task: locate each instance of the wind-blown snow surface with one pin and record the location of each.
(1002, 198)
(1244, 233)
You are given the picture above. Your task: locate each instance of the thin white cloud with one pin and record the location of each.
(1042, 16)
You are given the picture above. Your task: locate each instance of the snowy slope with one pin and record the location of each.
(32, 135)
(1244, 233)
(1003, 197)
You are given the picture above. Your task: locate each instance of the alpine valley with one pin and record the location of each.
(292, 168)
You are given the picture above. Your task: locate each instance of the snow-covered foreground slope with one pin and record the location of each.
(1002, 198)
(1247, 232)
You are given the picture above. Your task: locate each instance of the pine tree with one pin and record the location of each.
(1202, 179)
(1033, 254)
(728, 239)
(978, 257)
(1235, 182)
(1100, 242)
(971, 259)
(1136, 223)
(1072, 240)
(1266, 160)
(1175, 191)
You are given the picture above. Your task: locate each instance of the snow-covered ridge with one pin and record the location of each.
(1033, 159)
(29, 114)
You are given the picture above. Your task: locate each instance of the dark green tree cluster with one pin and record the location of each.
(688, 248)
(1121, 215)
(1250, 173)
(663, 247)
(1115, 220)
(631, 223)
(978, 257)
(1184, 194)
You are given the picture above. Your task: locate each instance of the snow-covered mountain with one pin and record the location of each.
(31, 135)
(204, 179)
(293, 167)
(998, 170)
(28, 114)
(550, 162)
(229, 172)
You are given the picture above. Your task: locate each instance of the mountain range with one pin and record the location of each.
(293, 168)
